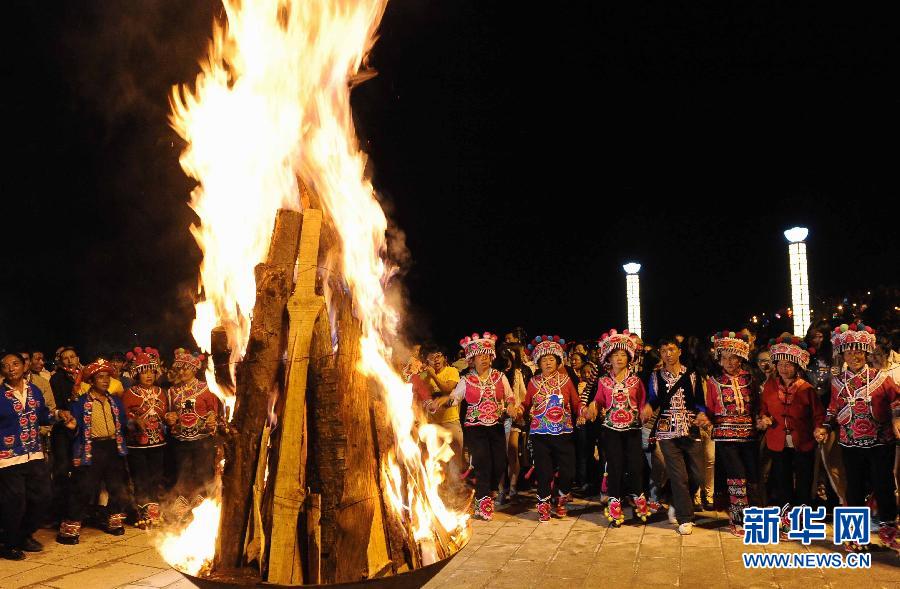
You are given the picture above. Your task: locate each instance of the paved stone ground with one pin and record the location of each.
(513, 551)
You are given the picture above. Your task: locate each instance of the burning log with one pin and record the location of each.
(257, 378)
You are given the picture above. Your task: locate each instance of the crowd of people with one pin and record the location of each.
(106, 442)
(685, 425)
(689, 424)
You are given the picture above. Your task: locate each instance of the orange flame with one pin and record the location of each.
(272, 103)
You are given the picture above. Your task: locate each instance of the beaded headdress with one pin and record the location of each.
(612, 340)
(855, 336)
(544, 345)
(475, 345)
(731, 343)
(184, 358)
(143, 359)
(790, 347)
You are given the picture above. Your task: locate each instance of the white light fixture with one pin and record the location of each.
(799, 278)
(633, 294)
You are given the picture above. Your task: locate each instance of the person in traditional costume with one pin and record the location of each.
(789, 412)
(98, 453)
(553, 407)
(24, 479)
(486, 392)
(146, 406)
(731, 404)
(620, 399)
(193, 417)
(675, 411)
(865, 410)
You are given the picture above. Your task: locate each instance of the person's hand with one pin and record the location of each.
(701, 420)
(171, 418)
(430, 372)
(591, 412)
(646, 413)
(820, 433)
(580, 421)
(764, 422)
(441, 402)
(64, 415)
(211, 421)
(71, 423)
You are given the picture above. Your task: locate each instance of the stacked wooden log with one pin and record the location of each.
(304, 500)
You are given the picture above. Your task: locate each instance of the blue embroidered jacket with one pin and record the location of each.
(20, 423)
(82, 409)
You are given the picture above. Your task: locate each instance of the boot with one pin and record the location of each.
(614, 512)
(561, 510)
(737, 494)
(641, 511)
(69, 531)
(115, 524)
(543, 509)
(484, 508)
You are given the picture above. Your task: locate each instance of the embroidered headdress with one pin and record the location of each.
(94, 368)
(790, 347)
(475, 345)
(544, 345)
(612, 340)
(144, 359)
(855, 336)
(185, 359)
(731, 343)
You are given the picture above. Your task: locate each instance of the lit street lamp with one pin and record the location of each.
(796, 237)
(633, 292)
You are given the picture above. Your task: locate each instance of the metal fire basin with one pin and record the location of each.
(409, 580)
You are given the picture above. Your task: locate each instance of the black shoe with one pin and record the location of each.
(116, 531)
(31, 545)
(11, 553)
(66, 539)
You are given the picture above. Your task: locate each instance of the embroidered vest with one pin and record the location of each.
(622, 413)
(192, 404)
(148, 406)
(21, 432)
(484, 399)
(550, 411)
(858, 425)
(733, 416)
(675, 420)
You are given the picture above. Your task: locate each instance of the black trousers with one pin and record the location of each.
(487, 445)
(195, 466)
(61, 465)
(594, 466)
(682, 458)
(25, 492)
(786, 465)
(878, 464)
(106, 467)
(624, 462)
(739, 459)
(552, 453)
(146, 468)
(580, 437)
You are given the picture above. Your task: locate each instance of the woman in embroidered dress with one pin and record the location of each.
(620, 400)
(485, 391)
(863, 402)
(98, 453)
(731, 401)
(193, 417)
(789, 412)
(145, 405)
(553, 406)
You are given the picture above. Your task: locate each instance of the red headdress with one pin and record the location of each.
(95, 368)
(612, 340)
(185, 359)
(144, 359)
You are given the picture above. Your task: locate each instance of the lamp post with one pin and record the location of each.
(633, 293)
(796, 237)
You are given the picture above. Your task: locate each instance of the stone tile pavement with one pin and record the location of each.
(514, 551)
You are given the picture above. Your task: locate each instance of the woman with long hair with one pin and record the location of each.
(518, 375)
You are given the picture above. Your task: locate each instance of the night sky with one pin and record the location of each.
(526, 151)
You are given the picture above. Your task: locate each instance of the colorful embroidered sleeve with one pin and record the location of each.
(640, 394)
(602, 398)
(712, 397)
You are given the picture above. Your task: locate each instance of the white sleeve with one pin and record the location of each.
(458, 392)
(507, 390)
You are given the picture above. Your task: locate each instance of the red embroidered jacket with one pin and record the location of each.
(552, 404)
(622, 402)
(731, 402)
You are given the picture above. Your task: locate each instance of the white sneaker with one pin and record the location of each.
(672, 518)
(686, 528)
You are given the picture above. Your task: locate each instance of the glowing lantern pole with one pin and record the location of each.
(633, 292)
(796, 237)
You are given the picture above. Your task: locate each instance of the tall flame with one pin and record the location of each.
(271, 104)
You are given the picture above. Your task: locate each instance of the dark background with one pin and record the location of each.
(526, 151)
